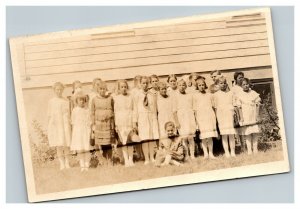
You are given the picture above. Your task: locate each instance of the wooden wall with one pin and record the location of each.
(227, 43)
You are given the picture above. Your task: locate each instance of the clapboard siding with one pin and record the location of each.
(219, 33)
(150, 30)
(117, 38)
(245, 23)
(147, 46)
(145, 53)
(114, 64)
(224, 43)
(204, 66)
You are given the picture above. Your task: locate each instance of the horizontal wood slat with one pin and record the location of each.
(164, 69)
(147, 61)
(146, 53)
(142, 39)
(147, 46)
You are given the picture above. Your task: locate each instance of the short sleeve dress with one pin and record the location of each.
(81, 131)
(206, 118)
(165, 113)
(248, 102)
(102, 115)
(146, 115)
(59, 122)
(223, 102)
(124, 115)
(183, 106)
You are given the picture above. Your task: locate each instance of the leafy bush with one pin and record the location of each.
(41, 152)
(270, 130)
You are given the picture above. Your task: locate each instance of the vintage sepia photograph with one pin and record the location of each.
(148, 105)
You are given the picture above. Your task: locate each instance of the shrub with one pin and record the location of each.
(270, 130)
(41, 152)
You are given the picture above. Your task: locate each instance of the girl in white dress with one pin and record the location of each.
(154, 80)
(76, 87)
(172, 81)
(205, 117)
(192, 79)
(146, 114)
(134, 91)
(184, 117)
(249, 101)
(59, 127)
(164, 109)
(81, 130)
(124, 120)
(223, 102)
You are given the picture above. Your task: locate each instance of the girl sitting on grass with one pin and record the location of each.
(172, 151)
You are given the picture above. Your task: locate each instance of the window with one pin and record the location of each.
(264, 87)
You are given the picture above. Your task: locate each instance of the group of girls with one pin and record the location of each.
(165, 116)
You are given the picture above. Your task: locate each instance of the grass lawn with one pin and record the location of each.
(49, 179)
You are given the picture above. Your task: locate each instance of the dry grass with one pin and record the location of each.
(49, 179)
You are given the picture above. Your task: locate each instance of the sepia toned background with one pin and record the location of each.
(91, 17)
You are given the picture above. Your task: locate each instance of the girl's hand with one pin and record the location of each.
(178, 126)
(93, 127)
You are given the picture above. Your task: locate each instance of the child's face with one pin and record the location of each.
(58, 90)
(214, 76)
(96, 85)
(181, 87)
(201, 85)
(163, 91)
(123, 88)
(102, 90)
(245, 86)
(154, 82)
(223, 85)
(144, 84)
(80, 102)
(173, 83)
(170, 131)
(239, 79)
(194, 83)
(77, 85)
